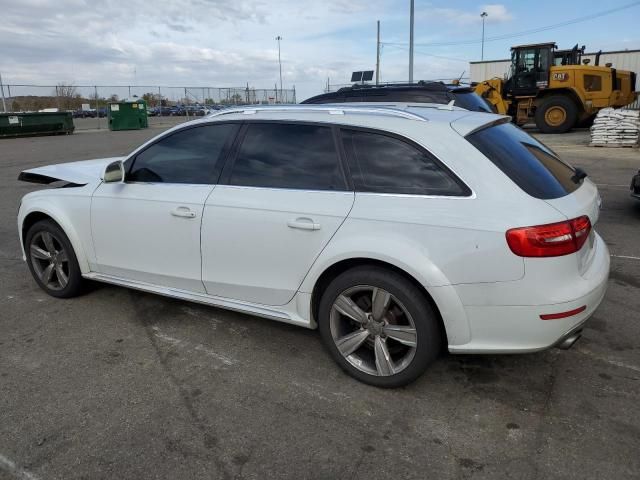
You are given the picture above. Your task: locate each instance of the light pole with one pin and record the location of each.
(483, 15)
(278, 38)
(4, 103)
(411, 41)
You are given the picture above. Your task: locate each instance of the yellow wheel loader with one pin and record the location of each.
(556, 88)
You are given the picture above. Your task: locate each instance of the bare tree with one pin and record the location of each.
(152, 99)
(67, 96)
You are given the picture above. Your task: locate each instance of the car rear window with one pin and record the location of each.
(531, 165)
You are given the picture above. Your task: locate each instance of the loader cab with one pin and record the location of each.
(530, 66)
(568, 57)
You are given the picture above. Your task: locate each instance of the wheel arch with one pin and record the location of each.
(37, 213)
(444, 300)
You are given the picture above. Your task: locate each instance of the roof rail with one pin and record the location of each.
(331, 110)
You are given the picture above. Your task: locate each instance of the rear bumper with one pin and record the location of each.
(520, 329)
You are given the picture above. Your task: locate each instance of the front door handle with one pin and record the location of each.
(303, 223)
(183, 212)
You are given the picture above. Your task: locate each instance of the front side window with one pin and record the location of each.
(527, 60)
(187, 156)
(294, 156)
(384, 164)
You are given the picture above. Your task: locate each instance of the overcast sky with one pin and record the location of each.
(229, 43)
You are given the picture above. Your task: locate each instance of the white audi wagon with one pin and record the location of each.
(394, 230)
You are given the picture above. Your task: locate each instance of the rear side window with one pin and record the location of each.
(385, 164)
(295, 156)
(531, 165)
(187, 156)
(592, 83)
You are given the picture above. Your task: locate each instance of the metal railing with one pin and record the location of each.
(331, 110)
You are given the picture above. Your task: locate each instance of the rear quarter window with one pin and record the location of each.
(526, 161)
(381, 163)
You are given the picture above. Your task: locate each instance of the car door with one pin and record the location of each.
(148, 228)
(279, 202)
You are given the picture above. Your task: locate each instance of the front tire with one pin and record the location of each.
(378, 326)
(556, 114)
(52, 261)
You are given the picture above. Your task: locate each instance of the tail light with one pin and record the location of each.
(552, 240)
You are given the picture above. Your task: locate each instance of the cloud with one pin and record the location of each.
(496, 13)
(214, 43)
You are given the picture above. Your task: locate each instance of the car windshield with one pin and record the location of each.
(531, 165)
(470, 100)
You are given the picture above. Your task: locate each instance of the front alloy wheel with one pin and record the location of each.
(52, 260)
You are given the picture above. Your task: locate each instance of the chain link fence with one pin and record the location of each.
(90, 101)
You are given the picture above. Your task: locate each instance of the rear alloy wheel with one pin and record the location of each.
(52, 260)
(556, 114)
(378, 326)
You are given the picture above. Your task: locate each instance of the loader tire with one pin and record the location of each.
(556, 114)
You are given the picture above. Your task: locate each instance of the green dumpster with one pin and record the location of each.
(127, 115)
(35, 123)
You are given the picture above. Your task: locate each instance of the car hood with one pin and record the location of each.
(80, 173)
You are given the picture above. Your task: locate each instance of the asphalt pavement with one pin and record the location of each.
(123, 384)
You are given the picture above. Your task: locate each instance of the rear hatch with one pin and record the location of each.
(539, 172)
(583, 201)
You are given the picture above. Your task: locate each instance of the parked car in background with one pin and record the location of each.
(635, 186)
(84, 113)
(395, 231)
(420, 92)
(177, 111)
(195, 110)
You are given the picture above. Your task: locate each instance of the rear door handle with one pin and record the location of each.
(183, 212)
(303, 223)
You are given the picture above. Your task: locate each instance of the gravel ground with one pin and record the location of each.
(122, 384)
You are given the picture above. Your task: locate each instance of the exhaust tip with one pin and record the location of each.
(567, 342)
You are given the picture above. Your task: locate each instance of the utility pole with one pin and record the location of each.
(95, 94)
(483, 15)
(278, 38)
(411, 43)
(4, 104)
(378, 56)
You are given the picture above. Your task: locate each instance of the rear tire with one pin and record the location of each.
(390, 334)
(52, 261)
(556, 114)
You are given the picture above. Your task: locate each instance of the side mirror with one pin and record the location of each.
(114, 172)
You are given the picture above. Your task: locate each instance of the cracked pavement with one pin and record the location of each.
(123, 384)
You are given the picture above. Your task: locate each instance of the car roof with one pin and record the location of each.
(386, 116)
(432, 88)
